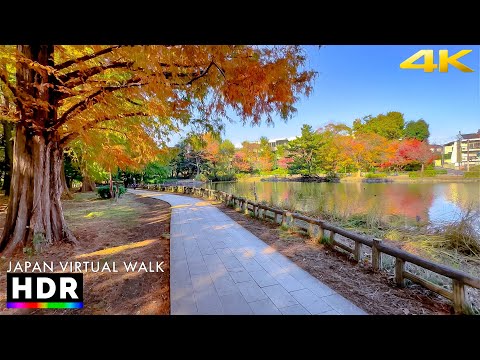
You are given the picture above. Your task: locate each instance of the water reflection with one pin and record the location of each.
(434, 202)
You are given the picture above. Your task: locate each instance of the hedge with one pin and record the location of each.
(104, 191)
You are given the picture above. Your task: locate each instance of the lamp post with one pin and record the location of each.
(443, 156)
(468, 154)
(459, 150)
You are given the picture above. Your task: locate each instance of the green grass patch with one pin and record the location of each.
(375, 175)
(325, 240)
(472, 175)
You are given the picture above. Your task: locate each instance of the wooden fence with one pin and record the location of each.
(316, 229)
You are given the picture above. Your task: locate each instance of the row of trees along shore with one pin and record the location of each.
(383, 142)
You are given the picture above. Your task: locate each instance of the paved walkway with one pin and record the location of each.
(218, 267)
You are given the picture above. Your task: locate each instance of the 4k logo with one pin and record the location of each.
(444, 60)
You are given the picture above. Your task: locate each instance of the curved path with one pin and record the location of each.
(218, 267)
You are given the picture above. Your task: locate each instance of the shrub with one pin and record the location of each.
(224, 177)
(375, 175)
(104, 191)
(471, 174)
(441, 172)
(276, 172)
(201, 177)
(426, 173)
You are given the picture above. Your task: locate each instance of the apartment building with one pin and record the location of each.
(463, 152)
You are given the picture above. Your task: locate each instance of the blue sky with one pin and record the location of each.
(355, 81)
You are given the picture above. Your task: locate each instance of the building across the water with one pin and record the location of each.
(461, 153)
(277, 142)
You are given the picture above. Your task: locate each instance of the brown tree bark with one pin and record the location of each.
(87, 184)
(66, 194)
(110, 183)
(35, 215)
(8, 128)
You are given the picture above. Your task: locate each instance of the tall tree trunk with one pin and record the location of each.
(110, 183)
(35, 215)
(8, 128)
(66, 194)
(87, 184)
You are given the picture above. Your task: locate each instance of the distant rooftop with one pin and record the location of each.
(289, 139)
(471, 136)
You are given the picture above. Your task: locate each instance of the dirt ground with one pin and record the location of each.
(133, 229)
(375, 293)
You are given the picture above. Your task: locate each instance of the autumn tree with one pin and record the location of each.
(240, 162)
(247, 158)
(211, 152)
(266, 156)
(61, 92)
(417, 130)
(415, 151)
(330, 140)
(363, 151)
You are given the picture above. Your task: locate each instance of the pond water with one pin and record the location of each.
(432, 202)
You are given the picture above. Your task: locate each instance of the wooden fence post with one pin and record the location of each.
(459, 297)
(321, 232)
(311, 230)
(357, 252)
(376, 255)
(332, 238)
(399, 269)
(284, 219)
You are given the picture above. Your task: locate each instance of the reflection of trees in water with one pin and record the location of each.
(345, 199)
(411, 200)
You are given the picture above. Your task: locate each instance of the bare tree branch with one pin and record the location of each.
(78, 77)
(133, 102)
(221, 70)
(202, 74)
(86, 57)
(91, 100)
(91, 125)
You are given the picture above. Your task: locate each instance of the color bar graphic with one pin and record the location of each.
(44, 305)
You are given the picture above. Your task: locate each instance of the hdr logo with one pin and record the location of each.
(44, 291)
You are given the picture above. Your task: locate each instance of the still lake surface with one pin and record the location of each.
(433, 202)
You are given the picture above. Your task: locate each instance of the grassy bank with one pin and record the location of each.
(455, 243)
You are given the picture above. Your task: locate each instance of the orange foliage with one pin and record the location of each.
(101, 89)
